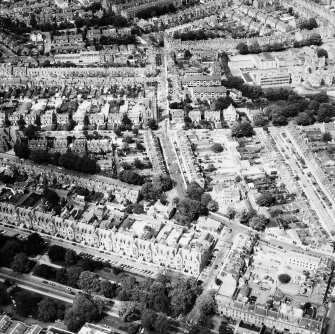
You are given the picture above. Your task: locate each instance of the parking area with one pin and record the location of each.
(136, 268)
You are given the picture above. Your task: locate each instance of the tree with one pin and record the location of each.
(86, 120)
(182, 295)
(118, 132)
(242, 48)
(51, 196)
(135, 131)
(4, 296)
(125, 147)
(34, 244)
(21, 150)
(70, 125)
(70, 257)
(125, 165)
(152, 124)
(243, 129)
(157, 298)
(149, 191)
(189, 208)
(138, 163)
(128, 139)
(304, 119)
(148, 319)
(126, 121)
(231, 212)
(322, 53)
(161, 324)
(39, 156)
(258, 222)
(47, 310)
(130, 311)
(26, 303)
(20, 263)
(44, 271)
(162, 182)
(89, 281)
(225, 329)
(326, 137)
(84, 309)
(131, 177)
(21, 123)
(61, 275)
(120, 21)
(206, 304)
(217, 148)
(284, 278)
(223, 103)
(137, 208)
(33, 21)
(197, 329)
(213, 206)
(108, 289)
(309, 24)
(31, 131)
(187, 54)
(204, 320)
(73, 275)
(260, 120)
(326, 112)
(265, 199)
(194, 191)
(279, 120)
(56, 253)
(73, 321)
(321, 97)
(254, 48)
(8, 251)
(314, 39)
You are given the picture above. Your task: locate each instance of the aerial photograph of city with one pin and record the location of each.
(167, 166)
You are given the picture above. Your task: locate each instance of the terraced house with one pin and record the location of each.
(146, 239)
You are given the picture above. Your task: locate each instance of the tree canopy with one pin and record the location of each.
(243, 129)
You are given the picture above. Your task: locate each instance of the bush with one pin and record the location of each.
(284, 278)
(243, 129)
(217, 148)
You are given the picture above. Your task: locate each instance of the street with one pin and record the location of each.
(171, 160)
(315, 202)
(51, 289)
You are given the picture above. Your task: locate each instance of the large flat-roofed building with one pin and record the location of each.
(84, 57)
(265, 61)
(273, 78)
(304, 261)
